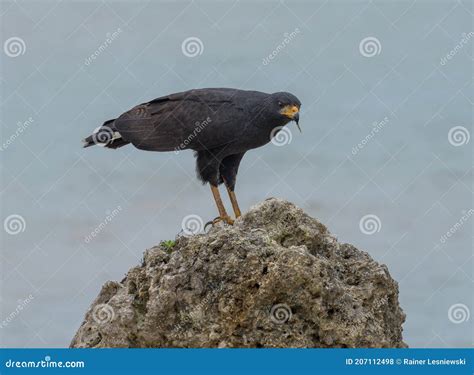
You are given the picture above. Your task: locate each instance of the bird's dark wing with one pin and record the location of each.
(196, 119)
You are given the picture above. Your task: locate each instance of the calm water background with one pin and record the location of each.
(417, 183)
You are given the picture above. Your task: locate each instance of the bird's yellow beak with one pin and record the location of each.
(290, 111)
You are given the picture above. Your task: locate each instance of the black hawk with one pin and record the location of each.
(219, 124)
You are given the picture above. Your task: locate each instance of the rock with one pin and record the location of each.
(276, 278)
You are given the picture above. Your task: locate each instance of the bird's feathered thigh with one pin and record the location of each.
(203, 119)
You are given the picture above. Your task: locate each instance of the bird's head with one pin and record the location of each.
(288, 106)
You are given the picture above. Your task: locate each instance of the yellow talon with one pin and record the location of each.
(225, 219)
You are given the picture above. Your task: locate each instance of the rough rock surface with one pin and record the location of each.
(277, 278)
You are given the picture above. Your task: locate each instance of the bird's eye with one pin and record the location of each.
(280, 104)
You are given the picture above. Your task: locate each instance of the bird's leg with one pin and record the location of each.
(228, 173)
(233, 200)
(223, 216)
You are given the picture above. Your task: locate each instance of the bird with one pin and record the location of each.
(219, 124)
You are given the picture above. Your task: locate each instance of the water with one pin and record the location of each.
(407, 174)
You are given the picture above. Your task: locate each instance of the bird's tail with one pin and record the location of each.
(105, 136)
